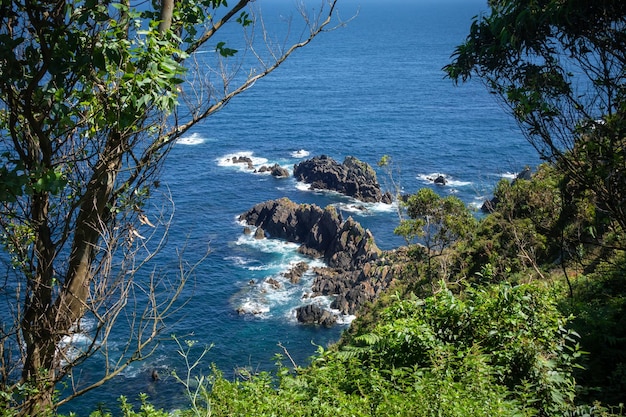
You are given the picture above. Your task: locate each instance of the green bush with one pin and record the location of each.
(519, 329)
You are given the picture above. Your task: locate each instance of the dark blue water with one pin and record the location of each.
(372, 88)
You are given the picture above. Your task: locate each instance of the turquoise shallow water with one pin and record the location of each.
(372, 88)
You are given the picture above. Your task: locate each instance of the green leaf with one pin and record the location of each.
(223, 51)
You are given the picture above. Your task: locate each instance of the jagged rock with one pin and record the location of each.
(243, 160)
(295, 273)
(489, 206)
(354, 246)
(440, 180)
(353, 289)
(319, 231)
(357, 272)
(275, 170)
(353, 178)
(259, 233)
(279, 172)
(314, 314)
(275, 284)
(525, 174)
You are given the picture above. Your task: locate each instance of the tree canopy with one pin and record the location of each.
(92, 96)
(559, 66)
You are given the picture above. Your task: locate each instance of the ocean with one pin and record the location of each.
(374, 87)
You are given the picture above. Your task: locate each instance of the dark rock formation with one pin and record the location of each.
(314, 314)
(525, 174)
(352, 178)
(295, 273)
(275, 170)
(358, 271)
(259, 233)
(279, 172)
(489, 206)
(353, 289)
(243, 160)
(319, 231)
(275, 284)
(440, 180)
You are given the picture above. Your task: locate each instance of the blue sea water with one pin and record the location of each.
(374, 87)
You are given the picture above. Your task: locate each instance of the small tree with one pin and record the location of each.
(92, 96)
(437, 222)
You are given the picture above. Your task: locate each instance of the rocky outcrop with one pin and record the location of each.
(357, 272)
(353, 289)
(320, 232)
(243, 160)
(275, 170)
(259, 233)
(353, 178)
(314, 314)
(440, 180)
(295, 274)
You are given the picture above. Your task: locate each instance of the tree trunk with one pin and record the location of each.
(47, 321)
(167, 10)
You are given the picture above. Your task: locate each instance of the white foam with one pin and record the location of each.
(193, 139)
(254, 307)
(303, 186)
(78, 341)
(238, 260)
(227, 160)
(366, 209)
(509, 175)
(457, 183)
(450, 181)
(158, 363)
(270, 290)
(265, 267)
(345, 319)
(267, 245)
(300, 153)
